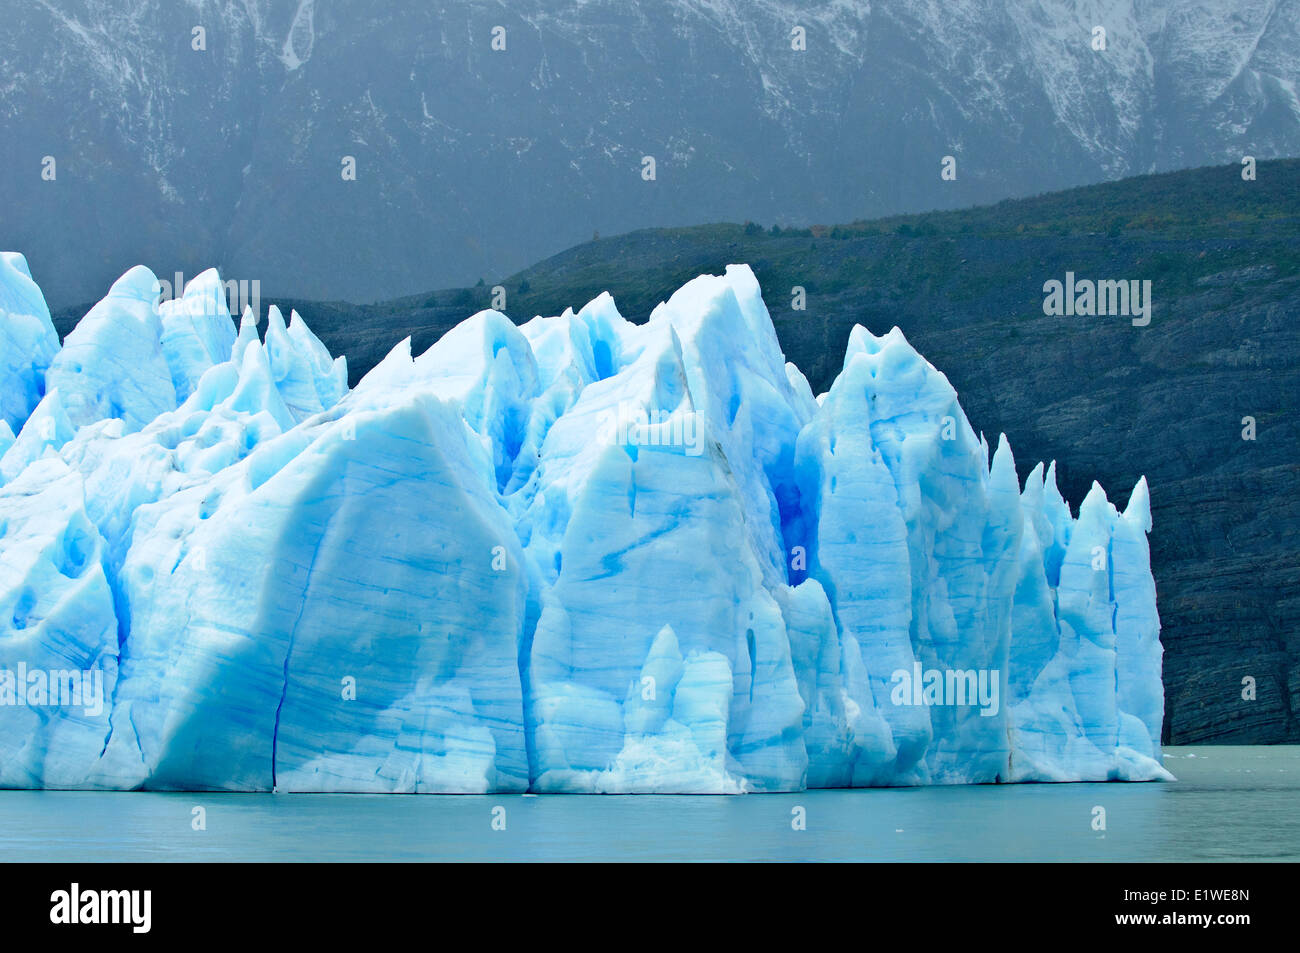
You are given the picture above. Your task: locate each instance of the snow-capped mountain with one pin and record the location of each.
(220, 127)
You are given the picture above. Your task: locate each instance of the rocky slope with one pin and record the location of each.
(473, 161)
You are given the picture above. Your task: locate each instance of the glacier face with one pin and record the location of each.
(573, 555)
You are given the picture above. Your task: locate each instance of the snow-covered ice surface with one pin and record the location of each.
(574, 555)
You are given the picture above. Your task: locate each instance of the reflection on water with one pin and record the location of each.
(1238, 803)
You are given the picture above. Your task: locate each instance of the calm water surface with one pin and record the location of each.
(1238, 803)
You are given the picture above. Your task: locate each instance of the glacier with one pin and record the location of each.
(574, 555)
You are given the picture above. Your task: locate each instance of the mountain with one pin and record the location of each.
(472, 161)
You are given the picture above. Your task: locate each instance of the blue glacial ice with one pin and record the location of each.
(577, 554)
(27, 344)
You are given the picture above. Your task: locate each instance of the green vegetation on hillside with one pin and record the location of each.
(913, 254)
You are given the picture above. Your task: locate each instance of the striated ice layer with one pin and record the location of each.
(59, 649)
(27, 344)
(574, 555)
(196, 331)
(112, 363)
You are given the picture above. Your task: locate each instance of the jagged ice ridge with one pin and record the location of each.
(573, 555)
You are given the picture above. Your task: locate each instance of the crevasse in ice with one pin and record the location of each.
(573, 555)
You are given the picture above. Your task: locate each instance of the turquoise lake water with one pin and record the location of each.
(1238, 803)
